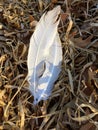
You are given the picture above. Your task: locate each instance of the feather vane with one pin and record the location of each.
(44, 56)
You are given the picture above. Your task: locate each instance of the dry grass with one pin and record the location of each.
(73, 104)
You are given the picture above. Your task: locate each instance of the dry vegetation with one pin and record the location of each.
(73, 104)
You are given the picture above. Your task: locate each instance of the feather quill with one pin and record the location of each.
(44, 56)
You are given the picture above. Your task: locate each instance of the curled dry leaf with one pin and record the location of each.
(90, 79)
(80, 42)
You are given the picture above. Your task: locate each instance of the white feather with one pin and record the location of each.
(44, 56)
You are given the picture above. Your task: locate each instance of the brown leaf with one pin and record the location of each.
(88, 126)
(64, 16)
(31, 18)
(80, 42)
(89, 79)
(54, 1)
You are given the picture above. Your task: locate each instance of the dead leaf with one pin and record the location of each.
(54, 1)
(64, 16)
(31, 18)
(80, 42)
(88, 126)
(89, 80)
